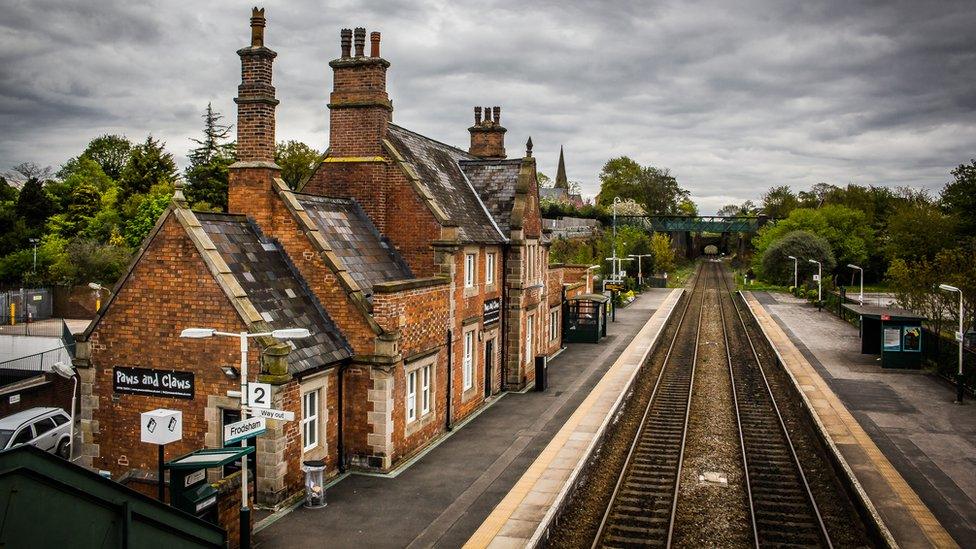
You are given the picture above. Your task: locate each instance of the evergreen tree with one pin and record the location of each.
(148, 165)
(206, 176)
(34, 205)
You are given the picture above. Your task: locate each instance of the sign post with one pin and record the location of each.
(160, 427)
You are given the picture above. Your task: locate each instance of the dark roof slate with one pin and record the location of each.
(495, 181)
(367, 256)
(437, 166)
(276, 290)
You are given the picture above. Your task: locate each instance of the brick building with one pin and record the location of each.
(421, 269)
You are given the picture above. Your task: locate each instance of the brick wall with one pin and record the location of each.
(48, 390)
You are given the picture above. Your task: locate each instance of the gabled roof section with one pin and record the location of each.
(495, 181)
(437, 166)
(367, 256)
(275, 289)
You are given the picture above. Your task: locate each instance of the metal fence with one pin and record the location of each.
(25, 304)
(12, 371)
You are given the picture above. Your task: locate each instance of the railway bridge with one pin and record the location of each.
(692, 233)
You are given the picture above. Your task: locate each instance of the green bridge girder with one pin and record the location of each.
(694, 223)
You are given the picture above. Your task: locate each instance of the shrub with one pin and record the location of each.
(777, 267)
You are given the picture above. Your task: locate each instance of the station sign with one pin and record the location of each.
(491, 311)
(259, 395)
(246, 428)
(614, 285)
(161, 426)
(280, 415)
(149, 382)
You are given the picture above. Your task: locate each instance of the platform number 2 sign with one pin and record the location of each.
(259, 395)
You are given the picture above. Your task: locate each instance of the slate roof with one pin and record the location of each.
(495, 181)
(437, 166)
(276, 290)
(368, 257)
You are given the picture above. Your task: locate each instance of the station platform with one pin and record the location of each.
(440, 498)
(520, 519)
(911, 450)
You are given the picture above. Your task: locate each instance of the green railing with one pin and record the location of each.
(694, 223)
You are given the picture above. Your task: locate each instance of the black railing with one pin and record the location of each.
(12, 371)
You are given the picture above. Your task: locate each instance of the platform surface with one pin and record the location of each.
(519, 519)
(442, 498)
(911, 449)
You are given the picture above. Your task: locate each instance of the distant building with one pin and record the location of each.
(560, 191)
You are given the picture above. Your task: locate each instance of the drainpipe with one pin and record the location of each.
(450, 367)
(503, 318)
(340, 447)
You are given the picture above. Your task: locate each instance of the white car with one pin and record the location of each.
(45, 428)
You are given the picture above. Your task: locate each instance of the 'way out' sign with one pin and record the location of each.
(247, 428)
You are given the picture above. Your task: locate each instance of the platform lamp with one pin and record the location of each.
(68, 372)
(819, 280)
(204, 333)
(959, 386)
(796, 280)
(98, 288)
(861, 296)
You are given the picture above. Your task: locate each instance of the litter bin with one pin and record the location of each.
(314, 484)
(541, 373)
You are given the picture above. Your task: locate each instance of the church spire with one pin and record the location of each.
(561, 182)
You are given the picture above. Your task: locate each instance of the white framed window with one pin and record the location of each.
(310, 420)
(426, 374)
(554, 324)
(468, 363)
(490, 268)
(528, 339)
(469, 269)
(411, 396)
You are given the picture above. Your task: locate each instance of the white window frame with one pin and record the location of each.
(311, 419)
(490, 268)
(470, 266)
(553, 324)
(412, 396)
(426, 374)
(529, 343)
(467, 362)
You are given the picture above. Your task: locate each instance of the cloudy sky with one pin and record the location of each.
(733, 97)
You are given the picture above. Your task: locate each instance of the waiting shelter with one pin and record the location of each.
(585, 318)
(895, 334)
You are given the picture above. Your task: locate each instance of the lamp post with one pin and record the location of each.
(861, 295)
(640, 270)
(98, 294)
(68, 372)
(819, 280)
(203, 333)
(959, 386)
(616, 200)
(34, 242)
(796, 280)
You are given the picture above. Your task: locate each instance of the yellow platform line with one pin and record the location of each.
(488, 532)
(843, 429)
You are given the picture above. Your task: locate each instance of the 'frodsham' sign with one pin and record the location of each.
(143, 381)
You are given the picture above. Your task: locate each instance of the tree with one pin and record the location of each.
(918, 230)
(86, 260)
(687, 207)
(663, 252)
(817, 195)
(111, 152)
(34, 205)
(25, 171)
(846, 230)
(144, 211)
(777, 267)
(732, 210)
(544, 181)
(778, 202)
(81, 171)
(207, 174)
(959, 198)
(148, 165)
(653, 188)
(8, 193)
(297, 161)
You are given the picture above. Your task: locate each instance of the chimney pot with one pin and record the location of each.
(360, 36)
(477, 116)
(257, 27)
(374, 44)
(488, 115)
(346, 42)
(497, 115)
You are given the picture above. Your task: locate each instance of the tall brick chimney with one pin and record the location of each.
(250, 178)
(487, 134)
(360, 108)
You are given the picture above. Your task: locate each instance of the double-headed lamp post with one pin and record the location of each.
(819, 280)
(796, 280)
(959, 387)
(68, 372)
(861, 295)
(640, 270)
(203, 333)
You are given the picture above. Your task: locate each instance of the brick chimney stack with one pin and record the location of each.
(487, 134)
(360, 108)
(251, 177)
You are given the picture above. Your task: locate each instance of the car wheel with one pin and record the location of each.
(64, 449)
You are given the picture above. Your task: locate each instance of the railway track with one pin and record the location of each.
(642, 506)
(782, 509)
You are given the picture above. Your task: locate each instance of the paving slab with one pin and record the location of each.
(911, 449)
(443, 497)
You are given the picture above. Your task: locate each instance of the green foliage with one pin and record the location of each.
(845, 229)
(206, 176)
(777, 267)
(145, 211)
(959, 197)
(149, 164)
(778, 202)
(545, 182)
(86, 260)
(655, 189)
(297, 161)
(34, 205)
(111, 152)
(663, 252)
(919, 230)
(8, 193)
